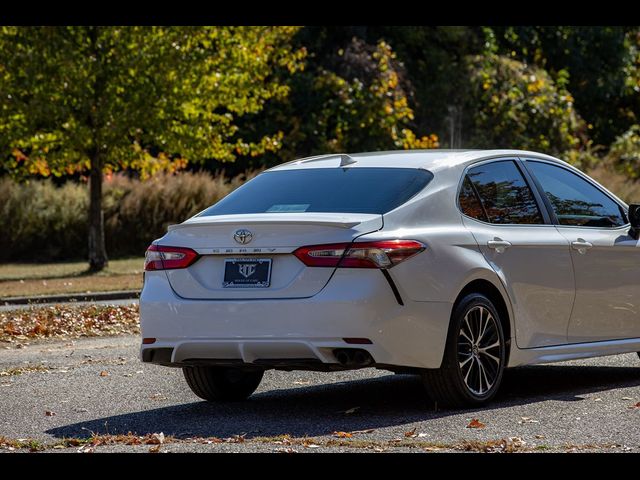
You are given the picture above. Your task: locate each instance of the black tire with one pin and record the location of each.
(222, 384)
(446, 385)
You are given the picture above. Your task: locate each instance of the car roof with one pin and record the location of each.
(432, 159)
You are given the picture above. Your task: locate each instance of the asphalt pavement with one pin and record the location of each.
(54, 390)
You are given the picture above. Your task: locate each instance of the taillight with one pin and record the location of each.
(381, 254)
(159, 257)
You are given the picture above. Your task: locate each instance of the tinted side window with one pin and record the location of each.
(469, 202)
(576, 201)
(504, 194)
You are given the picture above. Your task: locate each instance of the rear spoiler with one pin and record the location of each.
(339, 220)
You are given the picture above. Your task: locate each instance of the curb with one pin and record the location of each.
(72, 297)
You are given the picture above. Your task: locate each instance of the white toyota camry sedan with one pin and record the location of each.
(452, 265)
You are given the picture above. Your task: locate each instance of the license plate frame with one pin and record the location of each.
(257, 277)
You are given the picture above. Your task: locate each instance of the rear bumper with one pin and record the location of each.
(293, 332)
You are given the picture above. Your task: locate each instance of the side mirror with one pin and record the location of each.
(634, 220)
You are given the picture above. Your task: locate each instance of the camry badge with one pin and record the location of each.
(243, 236)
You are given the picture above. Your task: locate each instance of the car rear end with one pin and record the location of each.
(280, 274)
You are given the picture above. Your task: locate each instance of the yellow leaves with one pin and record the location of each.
(409, 141)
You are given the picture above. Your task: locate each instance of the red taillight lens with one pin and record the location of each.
(159, 257)
(381, 254)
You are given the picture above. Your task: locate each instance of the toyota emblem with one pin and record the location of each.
(243, 236)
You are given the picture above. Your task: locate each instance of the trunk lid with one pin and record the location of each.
(274, 236)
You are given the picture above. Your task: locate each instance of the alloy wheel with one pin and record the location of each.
(479, 350)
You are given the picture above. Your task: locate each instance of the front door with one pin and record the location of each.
(606, 260)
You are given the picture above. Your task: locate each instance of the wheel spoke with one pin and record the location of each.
(466, 377)
(469, 358)
(483, 374)
(494, 358)
(466, 319)
(493, 345)
(488, 321)
(466, 336)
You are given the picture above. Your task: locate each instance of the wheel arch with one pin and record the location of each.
(499, 298)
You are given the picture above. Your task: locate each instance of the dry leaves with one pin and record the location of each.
(156, 439)
(68, 321)
(104, 373)
(411, 433)
(527, 420)
(637, 405)
(352, 433)
(475, 423)
(235, 439)
(49, 413)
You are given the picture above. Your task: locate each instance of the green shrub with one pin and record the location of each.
(516, 105)
(624, 153)
(39, 221)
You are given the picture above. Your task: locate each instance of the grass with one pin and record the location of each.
(32, 279)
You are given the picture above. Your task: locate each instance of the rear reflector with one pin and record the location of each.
(159, 257)
(358, 341)
(381, 254)
(147, 341)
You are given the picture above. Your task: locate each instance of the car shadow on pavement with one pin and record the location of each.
(386, 401)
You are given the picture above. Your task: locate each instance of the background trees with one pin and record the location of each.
(81, 102)
(99, 99)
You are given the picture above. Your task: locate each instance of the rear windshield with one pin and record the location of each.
(344, 190)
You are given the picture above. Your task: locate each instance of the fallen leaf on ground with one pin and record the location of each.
(286, 450)
(49, 413)
(104, 373)
(410, 433)
(527, 420)
(475, 423)
(637, 405)
(156, 439)
(343, 434)
(155, 448)
(627, 398)
(57, 447)
(597, 399)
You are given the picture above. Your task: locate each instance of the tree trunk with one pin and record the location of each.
(97, 251)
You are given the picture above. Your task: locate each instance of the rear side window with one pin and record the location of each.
(502, 194)
(470, 203)
(329, 190)
(576, 201)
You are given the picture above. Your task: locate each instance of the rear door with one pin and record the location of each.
(606, 259)
(515, 235)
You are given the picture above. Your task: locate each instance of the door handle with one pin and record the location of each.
(498, 244)
(581, 245)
